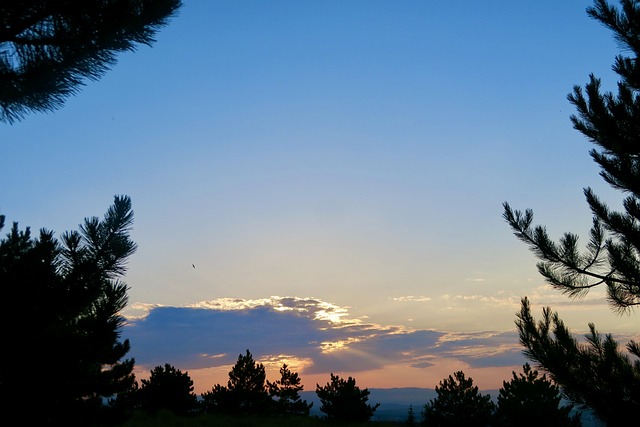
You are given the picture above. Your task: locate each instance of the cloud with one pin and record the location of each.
(541, 296)
(546, 295)
(322, 337)
(411, 298)
(483, 349)
(492, 301)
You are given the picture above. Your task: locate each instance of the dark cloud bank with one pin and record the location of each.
(213, 333)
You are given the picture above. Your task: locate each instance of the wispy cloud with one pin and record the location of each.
(546, 295)
(317, 336)
(543, 295)
(411, 298)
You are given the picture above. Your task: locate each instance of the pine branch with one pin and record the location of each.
(46, 53)
(563, 266)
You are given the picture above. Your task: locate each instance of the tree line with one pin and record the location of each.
(528, 399)
(62, 297)
(247, 392)
(69, 341)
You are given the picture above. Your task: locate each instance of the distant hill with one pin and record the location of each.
(394, 403)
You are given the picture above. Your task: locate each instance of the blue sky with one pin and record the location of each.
(352, 154)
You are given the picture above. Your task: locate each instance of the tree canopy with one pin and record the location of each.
(343, 400)
(61, 321)
(530, 400)
(597, 373)
(167, 388)
(246, 391)
(49, 48)
(458, 403)
(285, 393)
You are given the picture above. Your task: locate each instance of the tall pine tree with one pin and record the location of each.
(246, 391)
(285, 392)
(60, 319)
(596, 373)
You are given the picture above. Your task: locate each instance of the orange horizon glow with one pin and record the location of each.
(390, 376)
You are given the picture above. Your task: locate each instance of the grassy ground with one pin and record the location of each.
(167, 419)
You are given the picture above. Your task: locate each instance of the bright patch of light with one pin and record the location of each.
(138, 310)
(332, 346)
(331, 313)
(213, 356)
(294, 363)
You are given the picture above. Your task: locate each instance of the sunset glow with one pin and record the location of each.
(321, 183)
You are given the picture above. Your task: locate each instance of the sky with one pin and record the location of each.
(321, 182)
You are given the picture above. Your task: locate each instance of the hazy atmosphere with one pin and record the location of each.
(321, 182)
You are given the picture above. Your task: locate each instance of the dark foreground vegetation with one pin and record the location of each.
(64, 362)
(528, 399)
(168, 419)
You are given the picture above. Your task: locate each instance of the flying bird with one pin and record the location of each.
(193, 265)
